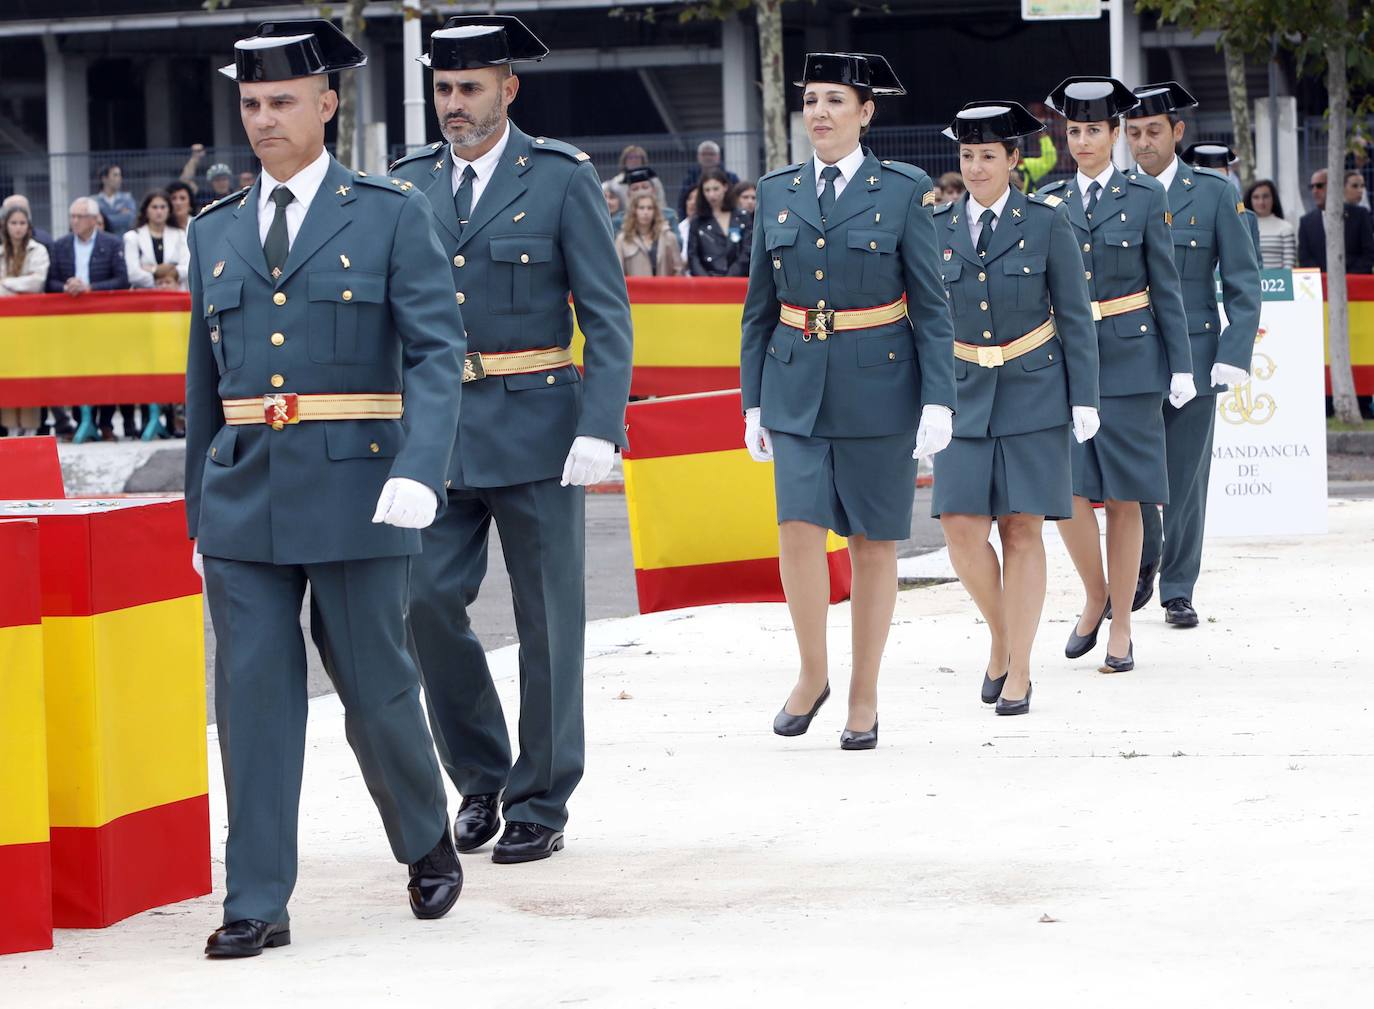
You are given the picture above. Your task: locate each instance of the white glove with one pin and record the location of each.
(935, 430)
(407, 504)
(589, 461)
(196, 563)
(756, 437)
(1229, 375)
(1181, 389)
(1086, 423)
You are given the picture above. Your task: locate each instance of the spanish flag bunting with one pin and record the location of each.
(703, 524)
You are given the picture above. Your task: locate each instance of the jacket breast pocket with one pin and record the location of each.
(950, 273)
(224, 319)
(1029, 274)
(1193, 253)
(1125, 247)
(518, 262)
(872, 252)
(347, 320)
(781, 245)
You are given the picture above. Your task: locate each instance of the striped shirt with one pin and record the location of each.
(1278, 243)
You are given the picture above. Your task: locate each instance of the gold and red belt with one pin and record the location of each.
(1120, 306)
(282, 408)
(821, 322)
(996, 355)
(515, 362)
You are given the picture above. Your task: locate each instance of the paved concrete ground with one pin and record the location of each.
(1194, 833)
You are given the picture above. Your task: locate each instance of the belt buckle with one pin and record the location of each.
(280, 409)
(820, 321)
(990, 357)
(473, 369)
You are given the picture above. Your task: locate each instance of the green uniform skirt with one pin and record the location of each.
(1027, 474)
(854, 486)
(1126, 460)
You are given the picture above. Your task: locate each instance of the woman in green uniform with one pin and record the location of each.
(846, 371)
(1026, 370)
(1121, 221)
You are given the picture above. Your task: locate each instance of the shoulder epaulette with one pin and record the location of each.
(424, 152)
(910, 171)
(1144, 180)
(1211, 173)
(784, 170)
(401, 186)
(1042, 199)
(241, 194)
(943, 208)
(567, 150)
(1052, 187)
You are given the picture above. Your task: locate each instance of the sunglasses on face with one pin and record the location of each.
(1318, 185)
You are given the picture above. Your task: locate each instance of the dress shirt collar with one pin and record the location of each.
(87, 243)
(1166, 177)
(848, 165)
(975, 209)
(1084, 182)
(486, 164)
(303, 185)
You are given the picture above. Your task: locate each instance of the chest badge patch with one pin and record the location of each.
(782, 217)
(948, 253)
(219, 268)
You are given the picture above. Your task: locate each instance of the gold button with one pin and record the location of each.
(347, 295)
(873, 246)
(820, 274)
(209, 308)
(1087, 247)
(982, 276)
(983, 305)
(214, 452)
(892, 355)
(278, 381)
(777, 264)
(278, 339)
(1088, 274)
(1051, 357)
(820, 243)
(1143, 327)
(550, 380)
(1025, 269)
(279, 298)
(822, 337)
(821, 303)
(1206, 325)
(374, 447)
(1193, 243)
(214, 335)
(987, 334)
(524, 257)
(1125, 245)
(459, 261)
(461, 297)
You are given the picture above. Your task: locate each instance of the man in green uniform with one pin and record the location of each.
(524, 225)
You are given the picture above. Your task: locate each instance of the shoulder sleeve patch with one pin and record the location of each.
(1052, 201)
(929, 199)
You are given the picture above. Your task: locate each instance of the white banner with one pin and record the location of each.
(1269, 453)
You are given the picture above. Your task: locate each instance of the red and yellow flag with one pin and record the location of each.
(703, 524)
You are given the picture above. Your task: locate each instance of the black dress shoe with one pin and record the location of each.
(786, 724)
(1082, 644)
(1114, 665)
(851, 740)
(478, 820)
(1021, 707)
(1145, 585)
(992, 689)
(436, 880)
(1180, 613)
(248, 937)
(526, 842)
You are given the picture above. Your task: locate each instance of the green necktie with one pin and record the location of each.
(278, 244)
(985, 236)
(829, 174)
(1094, 191)
(462, 198)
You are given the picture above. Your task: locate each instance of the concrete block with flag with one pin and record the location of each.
(124, 685)
(25, 858)
(703, 525)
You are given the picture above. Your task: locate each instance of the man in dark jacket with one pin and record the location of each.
(1359, 233)
(708, 156)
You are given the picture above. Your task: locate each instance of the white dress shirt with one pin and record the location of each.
(83, 256)
(483, 166)
(1084, 182)
(303, 185)
(1166, 177)
(848, 166)
(975, 211)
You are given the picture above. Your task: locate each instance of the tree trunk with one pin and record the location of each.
(347, 153)
(1343, 399)
(769, 16)
(1239, 97)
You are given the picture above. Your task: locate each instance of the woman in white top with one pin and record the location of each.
(1278, 239)
(153, 241)
(23, 269)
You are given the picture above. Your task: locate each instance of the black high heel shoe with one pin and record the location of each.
(851, 740)
(1081, 644)
(1021, 707)
(992, 689)
(1115, 665)
(787, 724)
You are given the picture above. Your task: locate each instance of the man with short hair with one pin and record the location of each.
(1359, 230)
(220, 178)
(708, 156)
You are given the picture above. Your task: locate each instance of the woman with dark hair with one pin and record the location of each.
(183, 200)
(846, 372)
(116, 206)
(718, 237)
(745, 196)
(154, 241)
(1278, 239)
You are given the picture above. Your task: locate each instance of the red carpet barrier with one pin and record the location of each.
(29, 468)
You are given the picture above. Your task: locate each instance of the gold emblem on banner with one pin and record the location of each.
(1241, 405)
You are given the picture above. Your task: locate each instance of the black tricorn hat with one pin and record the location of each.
(1091, 99)
(858, 70)
(282, 50)
(641, 174)
(1162, 99)
(1209, 155)
(989, 122)
(469, 41)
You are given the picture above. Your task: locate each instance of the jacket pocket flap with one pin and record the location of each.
(875, 350)
(781, 343)
(951, 270)
(347, 286)
(522, 249)
(221, 449)
(1123, 238)
(566, 375)
(1138, 323)
(873, 240)
(1021, 266)
(777, 238)
(1192, 239)
(362, 439)
(222, 295)
(1043, 356)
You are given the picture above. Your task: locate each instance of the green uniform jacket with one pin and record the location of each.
(1210, 231)
(363, 306)
(878, 246)
(1032, 267)
(539, 231)
(1126, 249)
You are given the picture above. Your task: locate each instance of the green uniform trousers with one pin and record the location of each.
(1176, 542)
(357, 619)
(542, 529)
